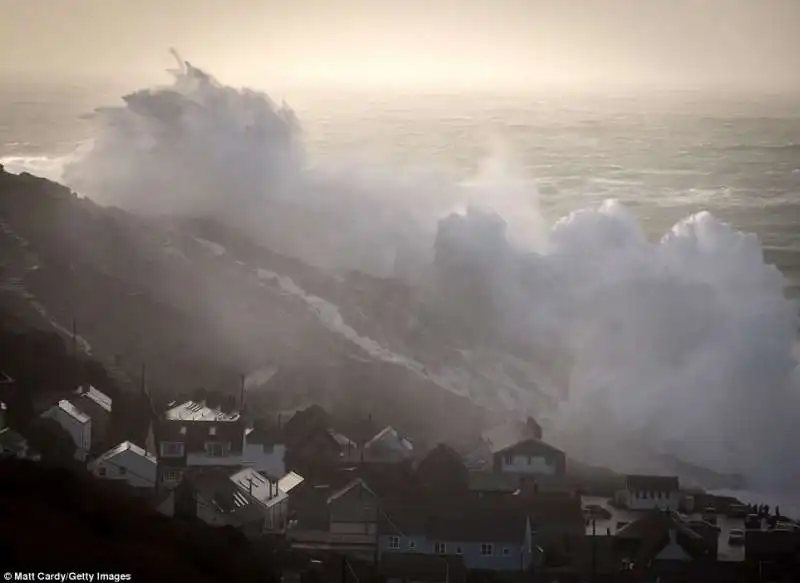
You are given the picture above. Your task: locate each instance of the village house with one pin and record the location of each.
(650, 492)
(312, 443)
(661, 544)
(487, 535)
(387, 446)
(330, 518)
(127, 462)
(193, 435)
(211, 496)
(264, 450)
(97, 406)
(268, 493)
(76, 423)
(530, 456)
(516, 447)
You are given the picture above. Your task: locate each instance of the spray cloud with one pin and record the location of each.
(681, 346)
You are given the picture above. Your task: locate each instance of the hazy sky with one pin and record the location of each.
(408, 43)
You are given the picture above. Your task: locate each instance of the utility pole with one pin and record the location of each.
(594, 550)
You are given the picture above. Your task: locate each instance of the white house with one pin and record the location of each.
(650, 492)
(97, 405)
(531, 457)
(481, 455)
(263, 452)
(268, 493)
(76, 423)
(127, 462)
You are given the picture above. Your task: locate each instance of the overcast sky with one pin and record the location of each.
(410, 43)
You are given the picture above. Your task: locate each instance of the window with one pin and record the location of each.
(506, 551)
(171, 476)
(508, 459)
(459, 550)
(102, 472)
(439, 548)
(412, 545)
(487, 549)
(172, 449)
(215, 449)
(212, 430)
(394, 543)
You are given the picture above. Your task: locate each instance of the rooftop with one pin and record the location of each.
(392, 433)
(216, 487)
(258, 486)
(290, 481)
(127, 446)
(341, 492)
(504, 436)
(194, 411)
(73, 411)
(102, 400)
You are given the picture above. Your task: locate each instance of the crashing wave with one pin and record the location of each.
(682, 346)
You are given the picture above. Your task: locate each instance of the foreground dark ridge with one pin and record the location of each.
(55, 519)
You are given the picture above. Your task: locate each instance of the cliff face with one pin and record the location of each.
(200, 305)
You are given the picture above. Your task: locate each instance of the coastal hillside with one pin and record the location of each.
(198, 306)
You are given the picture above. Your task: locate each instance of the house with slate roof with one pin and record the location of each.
(214, 498)
(126, 462)
(650, 492)
(268, 493)
(487, 535)
(76, 423)
(195, 435)
(661, 542)
(97, 405)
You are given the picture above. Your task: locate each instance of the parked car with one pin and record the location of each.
(736, 537)
(752, 522)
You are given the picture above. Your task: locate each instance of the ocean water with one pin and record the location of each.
(664, 156)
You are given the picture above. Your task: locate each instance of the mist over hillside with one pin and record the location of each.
(230, 248)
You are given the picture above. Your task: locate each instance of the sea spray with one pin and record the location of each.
(681, 346)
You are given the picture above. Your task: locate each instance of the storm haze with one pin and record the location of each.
(442, 45)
